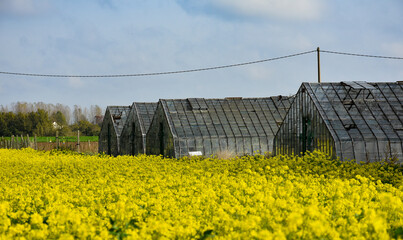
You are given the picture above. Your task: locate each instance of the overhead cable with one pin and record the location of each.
(361, 55)
(155, 73)
(193, 70)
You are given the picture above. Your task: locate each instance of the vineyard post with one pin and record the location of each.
(35, 143)
(57, 140)
(78, 141)
(12, 141)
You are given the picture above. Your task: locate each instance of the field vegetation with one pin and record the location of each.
(45, 119)
(50, 195)
(45, 139)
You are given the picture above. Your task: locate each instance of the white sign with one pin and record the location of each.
(195, 153)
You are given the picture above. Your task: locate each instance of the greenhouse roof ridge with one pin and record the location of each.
(369, 111)
(226, 117)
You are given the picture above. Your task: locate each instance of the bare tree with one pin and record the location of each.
(65, 110)
(41, 105)
(4, 108)
(78, 114)
(20, 107)
(95, 114)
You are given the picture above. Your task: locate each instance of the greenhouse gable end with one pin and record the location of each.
(133, 137)
(112, 125)
(349, 120)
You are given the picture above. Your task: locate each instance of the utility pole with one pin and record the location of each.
(318, 53)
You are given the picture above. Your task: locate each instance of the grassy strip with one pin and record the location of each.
(62, 139)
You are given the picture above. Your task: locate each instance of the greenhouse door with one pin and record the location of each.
(109, 139)
(133, 146)
(307, 134)
(161, 138)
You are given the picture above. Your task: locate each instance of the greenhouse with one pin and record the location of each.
(133, 136)
(198, 126)
(112, 125)
(349, 120)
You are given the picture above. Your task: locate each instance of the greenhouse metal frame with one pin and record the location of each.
(349, 120)
(133, 136)
(112, 126)
(198, 126)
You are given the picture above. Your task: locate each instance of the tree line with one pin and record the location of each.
(43, 119)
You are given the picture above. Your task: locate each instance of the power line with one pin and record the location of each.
(362, 55)
(197, 69)
(156, 73)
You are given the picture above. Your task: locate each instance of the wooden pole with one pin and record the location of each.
(35, 143)
(78, 141)
(318, 53)
(57, 140)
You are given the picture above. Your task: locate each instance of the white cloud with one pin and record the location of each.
(23, 7)
(394, 49)
(259, 72)
(284, 9)
(75, 82)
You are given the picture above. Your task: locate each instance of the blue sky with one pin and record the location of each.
(97, 37)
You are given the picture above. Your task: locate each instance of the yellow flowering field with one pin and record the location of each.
(56, 195)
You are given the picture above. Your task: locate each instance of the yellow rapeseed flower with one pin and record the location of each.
(56, 195)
